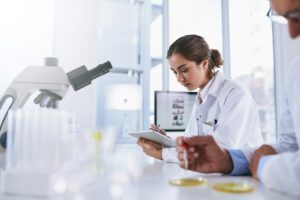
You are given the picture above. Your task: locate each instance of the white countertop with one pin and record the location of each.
(130, 175)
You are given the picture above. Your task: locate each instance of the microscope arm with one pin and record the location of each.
(15, 97)
(53, 83)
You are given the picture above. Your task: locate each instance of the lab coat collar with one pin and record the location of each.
(203, 92)
(212, 87)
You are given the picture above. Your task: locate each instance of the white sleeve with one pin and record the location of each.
(286, 140)
(281, 172)
(169, 155)
(238, 123)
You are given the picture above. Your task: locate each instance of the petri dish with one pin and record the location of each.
(188, 182)
(232, 187)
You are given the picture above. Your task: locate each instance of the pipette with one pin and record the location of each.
(187, 181)
(185, 146)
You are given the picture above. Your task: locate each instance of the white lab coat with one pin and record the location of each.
(282, 172)
(228, 112)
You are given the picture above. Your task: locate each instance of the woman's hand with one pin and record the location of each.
(264, 150)
(150, 148)
(157, 129)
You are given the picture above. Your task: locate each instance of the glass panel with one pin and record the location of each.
(155, 83)
(119, 45)
(156, 33)
(252, 57)
(119, 90)
(195, 17)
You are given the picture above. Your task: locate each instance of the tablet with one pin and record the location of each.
(155, 137)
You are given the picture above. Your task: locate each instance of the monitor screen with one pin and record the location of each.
(173, 109)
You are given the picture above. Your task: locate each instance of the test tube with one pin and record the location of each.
(41, 139)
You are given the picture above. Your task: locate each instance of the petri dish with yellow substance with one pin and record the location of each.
(233, 187)
(188, 182)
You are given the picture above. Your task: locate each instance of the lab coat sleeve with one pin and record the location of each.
(238, 123)
(286, 140)
(289, 121)
(281, 172)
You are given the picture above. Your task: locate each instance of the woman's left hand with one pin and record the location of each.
(150, 148)
(264, 150)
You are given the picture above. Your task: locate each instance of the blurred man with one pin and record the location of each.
(277, 166)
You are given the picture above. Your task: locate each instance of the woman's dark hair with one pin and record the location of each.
(195, 48)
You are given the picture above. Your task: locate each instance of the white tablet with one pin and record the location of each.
(155, 137)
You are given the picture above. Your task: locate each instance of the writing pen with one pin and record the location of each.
(157, 127)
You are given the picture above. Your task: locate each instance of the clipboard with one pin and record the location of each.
(155, 137)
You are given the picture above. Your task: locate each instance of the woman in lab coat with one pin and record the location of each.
(222, 108)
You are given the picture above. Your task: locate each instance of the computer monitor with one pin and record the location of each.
(172, 110)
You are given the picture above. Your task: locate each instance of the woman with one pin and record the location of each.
(222, 108)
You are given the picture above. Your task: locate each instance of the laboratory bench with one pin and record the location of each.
(128, 174)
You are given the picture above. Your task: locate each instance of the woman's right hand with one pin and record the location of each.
(150, 148)
(157, 129)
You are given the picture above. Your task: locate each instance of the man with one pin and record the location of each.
(276, 166)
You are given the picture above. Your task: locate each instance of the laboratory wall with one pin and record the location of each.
(119, 92)
(77, 32)
(89, 32)
(26, 36)
(32, 30)
(75, 43)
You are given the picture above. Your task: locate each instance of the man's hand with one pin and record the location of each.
(257, 155)
(150, 148)
(204, 155)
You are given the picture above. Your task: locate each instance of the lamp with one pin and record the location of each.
(124, 97)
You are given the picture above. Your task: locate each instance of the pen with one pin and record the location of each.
(157, 127)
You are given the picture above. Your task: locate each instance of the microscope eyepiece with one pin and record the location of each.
(82, 77)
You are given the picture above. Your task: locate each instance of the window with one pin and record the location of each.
(195, 17)
(156, 52)
(251, 57)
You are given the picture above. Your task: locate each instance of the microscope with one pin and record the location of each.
(52, 82)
